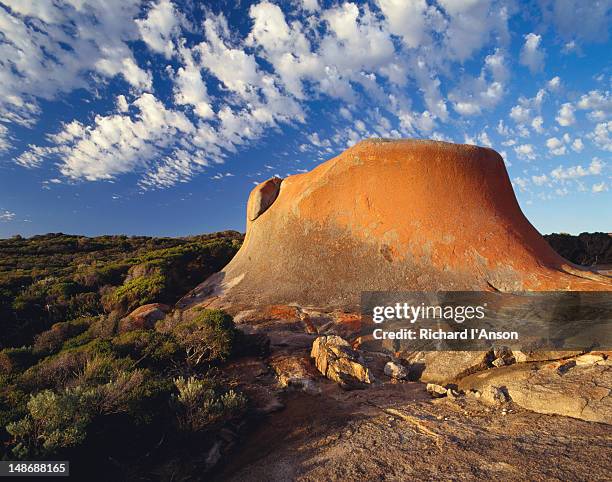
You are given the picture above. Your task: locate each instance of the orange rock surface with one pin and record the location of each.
(392, 215)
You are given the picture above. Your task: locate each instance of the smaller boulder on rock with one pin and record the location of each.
(395, 370)
(436, 391)
(144, 317)
(335, 359)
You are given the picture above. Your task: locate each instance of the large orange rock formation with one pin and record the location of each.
(390, 215)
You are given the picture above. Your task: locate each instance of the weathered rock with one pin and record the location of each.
(335, 359)
(530, 356)
(262, 197)
(144, 317)
(322, 237)
(294, 372)
(582, 392)
(503, 356)
(396, 370)
(493, 395)
(589, 359)
(436, 391)
(444, 367)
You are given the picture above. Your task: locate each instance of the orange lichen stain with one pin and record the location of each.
(349, 320)
(282, 312)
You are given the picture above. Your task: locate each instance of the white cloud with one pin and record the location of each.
(532, 54)
(602, 136)
(122, 103)
(477, 94)
(600, 187)
(598, 103)
(520, 114)
(521, 182)
(574, 172)
(566, 115)
(114, 144)
(554, 84)
(471, 24)
(577, 145)
(539, 180)
(190, 89)
(536, 124)
(52, 48)
(413, 122)
(525, 151)
(6, 216)
(160, 27)
(310, 5)
(316, 140)
(556, 146)
(406, 20)
(484, 140)
(4, 138)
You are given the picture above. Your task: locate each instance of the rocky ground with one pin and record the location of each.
(535, 418)
(391, 434)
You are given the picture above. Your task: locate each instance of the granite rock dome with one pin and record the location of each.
(389, 215)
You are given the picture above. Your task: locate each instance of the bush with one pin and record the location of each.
(207, 338)
(148, 347)
(13, 360)
(54, 421)
(198, 404)
(136, 292)
(59, 420)
(58, 370)
(51, 341)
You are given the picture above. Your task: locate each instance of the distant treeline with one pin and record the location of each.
(585, 249)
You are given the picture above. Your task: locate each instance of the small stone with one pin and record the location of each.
(436, 391)
(498, 362)
(494, 395)
(395, 370)
(473, 394)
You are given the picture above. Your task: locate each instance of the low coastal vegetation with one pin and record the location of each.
(78, 383)
(84, 379)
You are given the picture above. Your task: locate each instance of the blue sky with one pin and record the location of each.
(158, 117)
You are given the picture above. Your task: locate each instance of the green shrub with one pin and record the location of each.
(147, 347)
(198, 404)
(51, 341)
(136, 292)
(59, 420)
(13, 403)
(54, 421)
(207, 338)
(13, 360)
(60, 369)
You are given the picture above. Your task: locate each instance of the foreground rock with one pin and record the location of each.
(561, 388)
(396, 370)
(444, 367)
(336, 360)
(294, 371)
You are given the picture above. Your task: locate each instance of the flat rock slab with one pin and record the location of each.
(373, 435)
(561, 388)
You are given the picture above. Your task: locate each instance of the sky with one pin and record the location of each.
(158, 117)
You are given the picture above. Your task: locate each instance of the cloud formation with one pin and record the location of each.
(185, 89)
